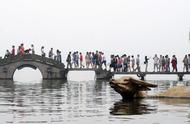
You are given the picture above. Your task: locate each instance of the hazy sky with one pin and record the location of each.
(114, 26)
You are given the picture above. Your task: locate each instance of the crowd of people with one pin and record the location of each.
(51, 55)
(126, 63)
(22, 51)
(97, 59)
(92, 60)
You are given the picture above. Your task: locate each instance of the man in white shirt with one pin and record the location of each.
(138, 63)
(156, 62)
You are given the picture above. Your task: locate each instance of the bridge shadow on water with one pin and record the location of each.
(7, 86)
(53, 84)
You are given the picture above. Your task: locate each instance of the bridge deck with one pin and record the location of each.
(153, 73)
(82, 69)
(139, 74)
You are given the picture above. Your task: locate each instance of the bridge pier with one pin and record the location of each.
(55, 74)
(103, 74)
(141, 75)
(100, 74)
(180, 76)
(64, 73)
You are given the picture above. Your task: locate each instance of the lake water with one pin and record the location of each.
(86, 101)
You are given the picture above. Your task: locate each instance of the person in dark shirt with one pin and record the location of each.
(146, 63)
(69, 60)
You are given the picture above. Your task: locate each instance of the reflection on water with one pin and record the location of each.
(133, 107)
(58, 102)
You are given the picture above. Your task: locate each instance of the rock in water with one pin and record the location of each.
(175, 92)
(130, 88)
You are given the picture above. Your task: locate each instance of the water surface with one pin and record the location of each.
(58, 102)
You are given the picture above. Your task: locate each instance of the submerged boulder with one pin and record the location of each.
(129, 87)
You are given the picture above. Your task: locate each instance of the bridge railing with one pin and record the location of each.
(30, 57)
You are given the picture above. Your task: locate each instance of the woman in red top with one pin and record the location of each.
(22, 49)
(81, 61)
(174, 63)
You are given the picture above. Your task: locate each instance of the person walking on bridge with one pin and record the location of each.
(167, 63)
(156, 63)
(87, 59)
(13, 51)
(129, 63)
(185, 64)
(163, 64)
(42, 52)
(51, 53)
(188, 62)
(146, 63)
(160, 63)
(125, 63)
(138, 63)
(7, 54)
(104, 60)
(174, 63)
(74, 59)
(77, 58)
(22, 49)
(69, 65)
(59, 58)
(81, 61)
(133, 63)
(32, 48)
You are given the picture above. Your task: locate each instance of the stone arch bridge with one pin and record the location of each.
(49, 68)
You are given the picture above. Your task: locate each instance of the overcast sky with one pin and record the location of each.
(113, 26)
(141, 27)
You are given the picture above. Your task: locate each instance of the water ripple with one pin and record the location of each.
(58, 102)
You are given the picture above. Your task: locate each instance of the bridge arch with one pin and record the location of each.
(49, 68)
(25, 65)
